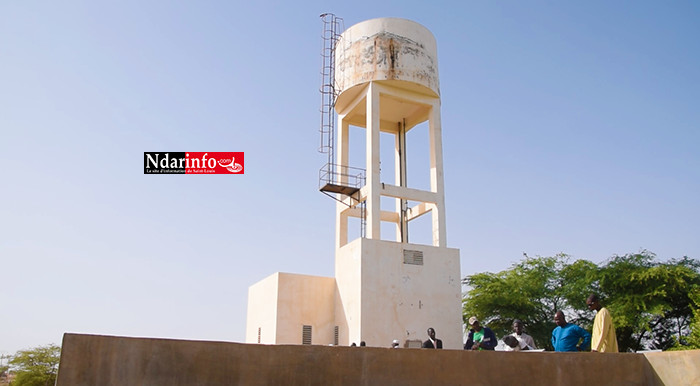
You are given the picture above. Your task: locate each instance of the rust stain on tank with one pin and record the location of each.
(373, 58)
(384, 56)
(392, 59)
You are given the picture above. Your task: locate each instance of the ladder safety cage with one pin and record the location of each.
(335, 178)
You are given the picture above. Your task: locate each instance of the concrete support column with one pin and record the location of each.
(341, 224)
(437, 179)
(373, 178)
(400, 180)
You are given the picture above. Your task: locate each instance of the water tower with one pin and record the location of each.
(381, 76)
(386, 80)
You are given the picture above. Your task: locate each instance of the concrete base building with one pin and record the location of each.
(384, 81)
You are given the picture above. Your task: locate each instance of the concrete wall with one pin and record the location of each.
(347, 305)
(305, 300)
(262, 310)
(676, 367)
(282, 303)
(104, 360)
(397, 300)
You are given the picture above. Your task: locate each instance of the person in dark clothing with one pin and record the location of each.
(480, 337)
(432, 342)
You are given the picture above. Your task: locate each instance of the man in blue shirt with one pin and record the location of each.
(566, 336)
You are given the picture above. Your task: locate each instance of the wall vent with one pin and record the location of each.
(259, 330)
(412, 257)
(335, 335)
(415, 343)
(306, 334)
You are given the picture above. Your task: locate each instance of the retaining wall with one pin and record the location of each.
(109, 360)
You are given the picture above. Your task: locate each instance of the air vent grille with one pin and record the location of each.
(306, 335)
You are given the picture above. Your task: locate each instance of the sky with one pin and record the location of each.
(568, 127)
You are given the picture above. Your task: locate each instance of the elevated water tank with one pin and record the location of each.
(393, 50)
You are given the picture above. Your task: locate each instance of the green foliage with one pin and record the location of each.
(650, 301)
(692, 341)
(37, 366)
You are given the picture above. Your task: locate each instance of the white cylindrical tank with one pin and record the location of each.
(400, 51)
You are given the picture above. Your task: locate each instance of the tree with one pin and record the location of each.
(692, 341)
(37, 366)
(650, 301)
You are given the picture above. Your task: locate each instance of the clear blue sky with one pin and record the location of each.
(568, 128)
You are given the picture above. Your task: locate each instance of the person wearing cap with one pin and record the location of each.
(395, 343)
(480, 337)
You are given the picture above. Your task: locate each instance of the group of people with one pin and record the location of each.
(565, 337)
(483, 338)
(570, 337)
